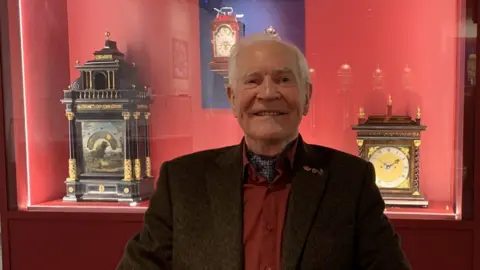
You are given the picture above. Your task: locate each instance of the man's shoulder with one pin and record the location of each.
(338, 158)
(200, 158)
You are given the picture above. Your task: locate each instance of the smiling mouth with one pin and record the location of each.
(269, 113)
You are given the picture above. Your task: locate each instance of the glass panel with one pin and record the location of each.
(102, 92)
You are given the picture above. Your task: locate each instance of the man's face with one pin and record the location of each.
(268, 97)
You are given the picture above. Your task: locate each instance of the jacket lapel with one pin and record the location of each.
(225, 188)
(307, 190)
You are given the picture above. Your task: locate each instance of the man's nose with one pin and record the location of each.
(268, 89)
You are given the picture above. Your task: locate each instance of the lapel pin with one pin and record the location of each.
(313, 170)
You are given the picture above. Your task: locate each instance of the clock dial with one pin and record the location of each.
(224, 39)
(392, 166)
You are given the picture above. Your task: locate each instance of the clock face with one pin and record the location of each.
(392, 166)
(223, 40)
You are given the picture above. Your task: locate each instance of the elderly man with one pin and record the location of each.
(273, 201)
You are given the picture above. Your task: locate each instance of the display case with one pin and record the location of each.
(390, 79)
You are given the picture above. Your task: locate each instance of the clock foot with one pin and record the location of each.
(407, 201)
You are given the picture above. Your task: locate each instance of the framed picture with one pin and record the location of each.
(180, 59)
(102, 147)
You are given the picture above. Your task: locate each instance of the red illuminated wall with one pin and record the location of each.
(45, 58)
(57, 33)
(38, 239)
(390, 34)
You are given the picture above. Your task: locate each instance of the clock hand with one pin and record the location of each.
(385, 164)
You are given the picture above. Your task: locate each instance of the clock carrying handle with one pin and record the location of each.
(224, 11)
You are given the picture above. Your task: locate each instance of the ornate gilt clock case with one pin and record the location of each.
(226, 31)
(392, 144)
(108, 114)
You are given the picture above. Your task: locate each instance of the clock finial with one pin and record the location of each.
(107, 35)
(361, 113)
(389, 106)
(418, 116)
(361, 116)
(271, 31)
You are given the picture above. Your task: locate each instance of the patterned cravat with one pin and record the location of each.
(264, 166)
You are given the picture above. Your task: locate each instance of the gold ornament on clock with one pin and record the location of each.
(392, 144)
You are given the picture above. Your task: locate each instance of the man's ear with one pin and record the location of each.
(231, 99)
(308, 96)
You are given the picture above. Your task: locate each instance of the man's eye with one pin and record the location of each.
(284, 79)
(251, 81)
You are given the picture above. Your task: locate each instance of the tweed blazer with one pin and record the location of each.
(335, 215)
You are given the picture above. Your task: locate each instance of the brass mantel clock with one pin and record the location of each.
(108, 114)
(392, 144)
(226, 30)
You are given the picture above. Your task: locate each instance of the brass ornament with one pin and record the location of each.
(101, 188)
(148, 167)
(136, 115)
(361, 113)
(72, 170)
(70, 115)
(127, 175)
(126, 190)
(126, 115)
(138, 168)
(70, 189)
(419, 114)
(99, 106)
(271, 31)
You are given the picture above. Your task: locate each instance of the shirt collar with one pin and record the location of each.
(287, 155)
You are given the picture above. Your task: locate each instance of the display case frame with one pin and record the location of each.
(19, 43)
(25, 232)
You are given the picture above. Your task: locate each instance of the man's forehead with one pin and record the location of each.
(266, 58)
(267, 49)
(252, 71)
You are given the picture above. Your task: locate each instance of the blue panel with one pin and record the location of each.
(287, 16)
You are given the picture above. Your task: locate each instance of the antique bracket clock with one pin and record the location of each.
(226, 31)
(392, 144)
(108, 115)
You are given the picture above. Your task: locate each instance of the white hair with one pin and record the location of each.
(263, 37)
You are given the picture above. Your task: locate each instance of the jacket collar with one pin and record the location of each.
(225, 188)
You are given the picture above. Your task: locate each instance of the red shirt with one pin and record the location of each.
(265, 205)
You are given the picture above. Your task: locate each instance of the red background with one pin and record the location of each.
(57, 33)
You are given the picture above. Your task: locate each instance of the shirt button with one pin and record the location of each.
(269, 227)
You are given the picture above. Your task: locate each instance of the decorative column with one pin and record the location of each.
(72, 162)
(148, 162)
(416, 173)
(360, 148)
(127, 170)
(136, 157)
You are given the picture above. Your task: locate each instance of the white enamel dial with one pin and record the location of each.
(223, 41)
(392, 166)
